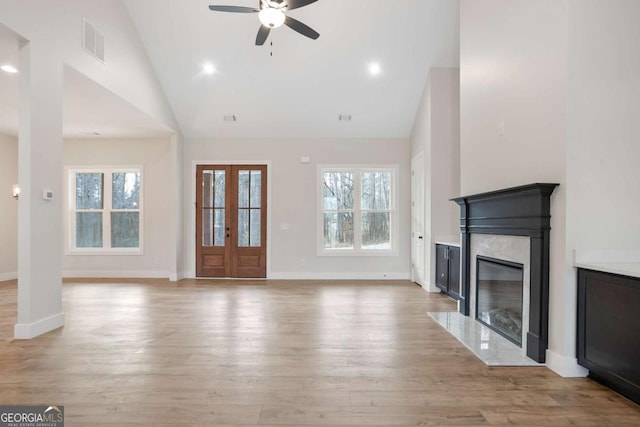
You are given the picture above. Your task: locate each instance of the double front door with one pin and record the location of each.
(231, 212)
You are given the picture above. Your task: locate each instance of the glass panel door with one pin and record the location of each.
(212, 221)
(230, 221)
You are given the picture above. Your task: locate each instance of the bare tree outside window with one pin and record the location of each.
(105, 216)
(357, 209)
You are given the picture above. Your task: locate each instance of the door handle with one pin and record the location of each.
(420, 237)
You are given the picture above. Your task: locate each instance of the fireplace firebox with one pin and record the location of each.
(499, 286)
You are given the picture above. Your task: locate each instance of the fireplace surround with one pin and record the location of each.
(517, 211)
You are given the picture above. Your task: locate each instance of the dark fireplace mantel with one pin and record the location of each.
(517, 211)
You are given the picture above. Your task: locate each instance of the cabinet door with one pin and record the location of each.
(442, 268)
(454, 272)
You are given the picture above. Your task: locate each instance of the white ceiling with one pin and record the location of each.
(88, 107)
(306, 84)
(297, 92)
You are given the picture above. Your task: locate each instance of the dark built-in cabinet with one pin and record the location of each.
(609, 330)
(448, 270)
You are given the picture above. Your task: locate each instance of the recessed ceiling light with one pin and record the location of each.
(208, 68)
(375, 69)
(9, 69)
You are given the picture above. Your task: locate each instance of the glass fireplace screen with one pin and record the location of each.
(499, 296)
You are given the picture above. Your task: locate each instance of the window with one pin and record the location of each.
(357, 211)
(105, 210)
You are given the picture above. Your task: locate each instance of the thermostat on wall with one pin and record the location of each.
(47, 194)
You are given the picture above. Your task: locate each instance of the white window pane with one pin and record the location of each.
(256, 189)
(337, 190)
(208, 187)
(88, 229)
(254, 238)
(89, 190)
(376, 230)
(220, 177)
(243, 227)
(376, 191)
(207, 227)
(219, 231)
(125, 229)
(243, 189)
(126, 190)
(338, 230)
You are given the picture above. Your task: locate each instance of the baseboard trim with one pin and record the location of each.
(116, 274)
(564, 366)
(339, 276)
(8, 276)
(176, 277)
(27, 331)
(428, 287)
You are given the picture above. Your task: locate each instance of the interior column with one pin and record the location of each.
(40, 164)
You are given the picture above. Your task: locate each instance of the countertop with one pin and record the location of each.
(448, 243)
(625, 262)
(624, 268)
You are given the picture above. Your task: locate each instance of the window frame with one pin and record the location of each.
(357, 171)
(107, 209)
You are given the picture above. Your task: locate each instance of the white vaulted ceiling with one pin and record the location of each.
(306, 84)
(88, 108)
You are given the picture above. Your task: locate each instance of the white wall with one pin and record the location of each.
(8, 208)
(445, 153)
(603, 130)
(603, 127)
(513, 64)
(436, 133)
(50, 33)
(154, 155)
(294, 201)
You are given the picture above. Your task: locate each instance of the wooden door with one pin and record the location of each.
(231, 235)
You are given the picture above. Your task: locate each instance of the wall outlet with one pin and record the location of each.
(501, 128)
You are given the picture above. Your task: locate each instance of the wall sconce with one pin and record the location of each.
(16, 191)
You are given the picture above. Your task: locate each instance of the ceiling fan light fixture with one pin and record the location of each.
(271, 18)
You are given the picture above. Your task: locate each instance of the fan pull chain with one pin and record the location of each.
(272, 48)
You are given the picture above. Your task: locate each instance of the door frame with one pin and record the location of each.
(418, 160)
(190, 241)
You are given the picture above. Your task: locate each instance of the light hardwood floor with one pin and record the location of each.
(276, 353)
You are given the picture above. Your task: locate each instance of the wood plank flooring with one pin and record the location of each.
(276, 353)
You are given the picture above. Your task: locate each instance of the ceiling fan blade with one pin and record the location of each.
(295, 4)
(263, 33)
(234, 9)
(303, 29)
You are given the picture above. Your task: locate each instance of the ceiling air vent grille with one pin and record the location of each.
(92, 40)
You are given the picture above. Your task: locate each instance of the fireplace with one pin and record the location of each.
(511, 225)
(499, 297)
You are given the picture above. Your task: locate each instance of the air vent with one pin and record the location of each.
(92, 40)
(230, 118)
(344, 117)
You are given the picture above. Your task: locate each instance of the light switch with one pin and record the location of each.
(47, 195)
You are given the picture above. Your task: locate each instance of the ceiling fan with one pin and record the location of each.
(272, 15)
